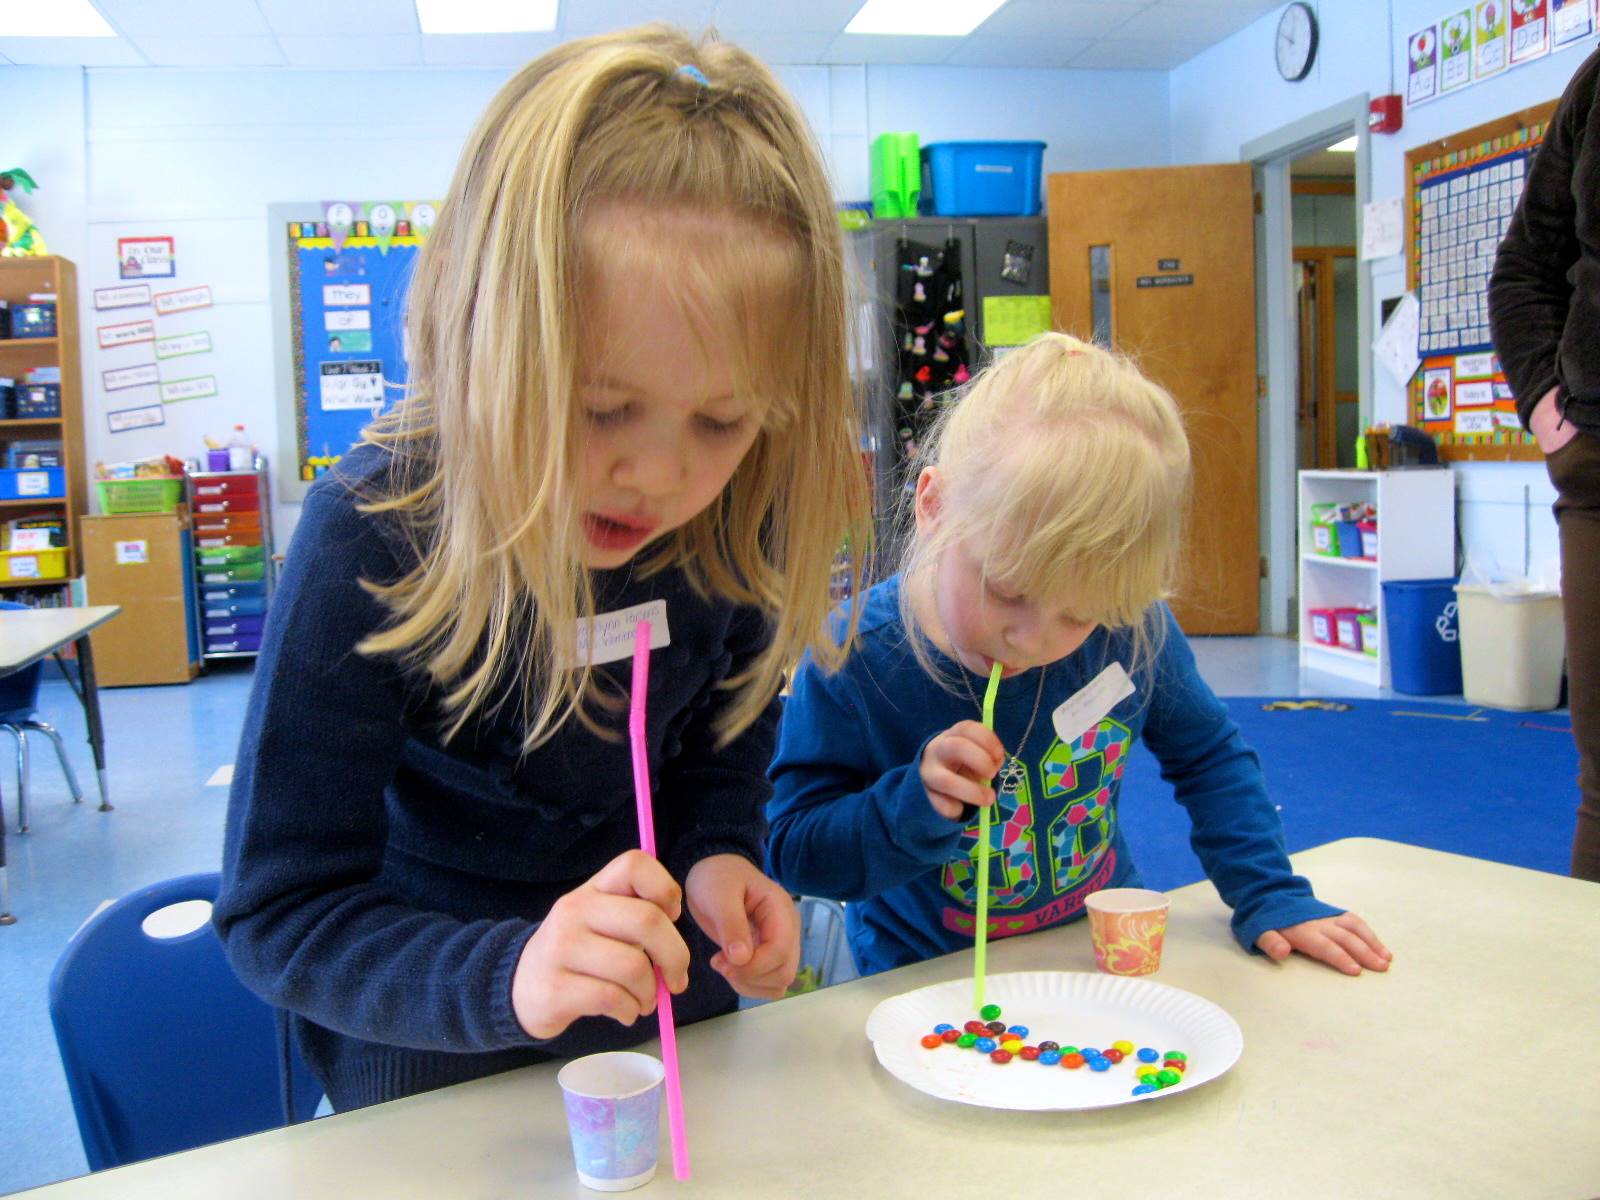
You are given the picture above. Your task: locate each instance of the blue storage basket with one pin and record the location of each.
(982, 179)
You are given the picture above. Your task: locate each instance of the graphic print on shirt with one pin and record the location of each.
(1013, 865)
(1077, 784)
(1078, 780)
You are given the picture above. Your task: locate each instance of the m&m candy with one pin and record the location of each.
(1049, 1058)
(1048, 1046)
(989, 1012)
(1072, 1061)
(1168, 1078)
(933, 1040)
(951, 1035)
(1070, 1050)
(1089, 1052)
(1029, 1053)
(1100, 1064)
(966, 1040)
(1148, 1055)
(1125, 1048)
(1020, 1030)
(986, 1045)
(1178, 1054)
(1143, 1089)
(1000, 1056)
(1113, 1054)
(1148, 1071)
(996, 1027)
(942, 1028)
(1012, 1044)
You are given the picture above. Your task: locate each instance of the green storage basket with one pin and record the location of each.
(229, 556)
(896, 175)
(153, 495)
(239, 573)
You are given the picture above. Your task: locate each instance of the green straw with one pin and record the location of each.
(980, 947)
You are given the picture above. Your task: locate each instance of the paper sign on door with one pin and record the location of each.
(132, 552)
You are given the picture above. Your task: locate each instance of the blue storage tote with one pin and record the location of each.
(1424, 642)
(982, 179)
(34, 483)
(222, 610)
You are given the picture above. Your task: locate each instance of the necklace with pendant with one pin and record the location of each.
(1012, 771)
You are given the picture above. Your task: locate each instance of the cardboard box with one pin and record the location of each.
(142, 561)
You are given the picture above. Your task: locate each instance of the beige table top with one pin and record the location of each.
(28, 636)
(1469, 1070)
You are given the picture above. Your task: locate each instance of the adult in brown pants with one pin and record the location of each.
(1544, 311)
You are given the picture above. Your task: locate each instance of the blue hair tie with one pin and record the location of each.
(694, 73)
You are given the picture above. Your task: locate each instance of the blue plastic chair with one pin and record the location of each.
(19, 699)
(164, 1049)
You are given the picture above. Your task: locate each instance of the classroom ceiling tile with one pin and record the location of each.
(1048, 50)
(378, 50)
(71, 52)
(889, 49)
(1112, 54)
(322, 17)
(782, 47)
(579, 18)
(204, 50)
(1207, 25)
(239, 18)
(485, 49)
(812, 16)
(1074, 18)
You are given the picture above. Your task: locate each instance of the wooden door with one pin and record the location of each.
(1160, 264)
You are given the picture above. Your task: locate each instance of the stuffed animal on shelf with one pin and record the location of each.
(19, 236)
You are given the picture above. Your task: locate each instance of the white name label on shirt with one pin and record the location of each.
(612, 633)
(1096, 699)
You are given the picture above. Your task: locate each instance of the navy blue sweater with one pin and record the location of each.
(380, 885)
(851, 819)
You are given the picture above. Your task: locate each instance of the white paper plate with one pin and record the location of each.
(1070, 1008)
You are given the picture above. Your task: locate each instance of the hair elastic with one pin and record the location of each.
(694, 73)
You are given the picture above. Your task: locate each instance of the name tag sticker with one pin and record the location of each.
(611, 633)
(1092, 703)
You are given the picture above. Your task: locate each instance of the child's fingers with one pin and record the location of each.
(940, 780)
(946, 807)
(635, 873)
(587, 996)
(640, 923)
(1362, 930)
(1357, 950)
(983, 739)
(1274, 945)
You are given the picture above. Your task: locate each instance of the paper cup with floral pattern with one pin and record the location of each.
(614, 1115)
(1127, 926)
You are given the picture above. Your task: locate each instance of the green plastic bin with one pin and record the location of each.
(152, 495)
(896, 175)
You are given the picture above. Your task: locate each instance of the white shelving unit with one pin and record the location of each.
(1416, 540)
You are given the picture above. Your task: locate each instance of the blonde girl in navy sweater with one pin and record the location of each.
(628, 396)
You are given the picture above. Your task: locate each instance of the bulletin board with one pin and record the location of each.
(347, 330)
(1463, 191)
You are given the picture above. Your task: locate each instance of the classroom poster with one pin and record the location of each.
(124, 420)
(146, 258)
(356, 384)
(1490, 43)
(134, 295)
(1570, 22)
(1422, 65)
(125, 333)
(1436, 394)
(1455, 51)
(1530, 30)
(182, 300)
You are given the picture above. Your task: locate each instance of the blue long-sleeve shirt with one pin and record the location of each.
(380, 884)
(851, 820)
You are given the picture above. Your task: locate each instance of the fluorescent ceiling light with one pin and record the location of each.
(925, 18)
(59, 18)
(486, 16)
(1348, 146)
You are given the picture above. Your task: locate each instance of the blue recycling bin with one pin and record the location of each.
(1424, 640)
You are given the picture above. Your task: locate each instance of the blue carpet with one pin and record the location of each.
(1501, 786)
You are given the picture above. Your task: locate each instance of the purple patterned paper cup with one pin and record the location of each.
(614, 1116)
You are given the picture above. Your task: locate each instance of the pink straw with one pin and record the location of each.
(647, 843)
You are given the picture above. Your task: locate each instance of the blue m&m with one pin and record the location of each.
(1149, 1055)
(985, 1044)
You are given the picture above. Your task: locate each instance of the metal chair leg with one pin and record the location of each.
(22, 779)
(50, 732)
